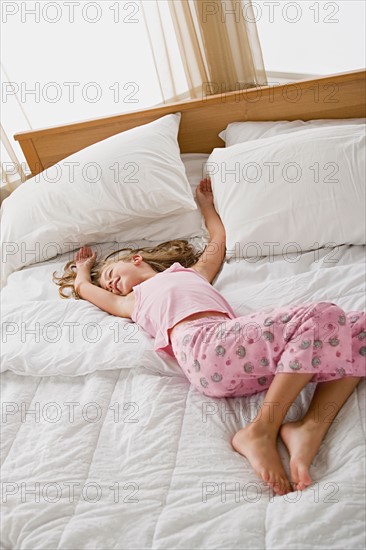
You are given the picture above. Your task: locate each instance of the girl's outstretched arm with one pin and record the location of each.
(105, 300)
(212, 258)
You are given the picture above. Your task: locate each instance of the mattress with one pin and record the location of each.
(106, 445)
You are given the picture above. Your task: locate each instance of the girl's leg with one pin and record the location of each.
(258, 440)
(303, 438)
(303, 445)
(281, 352)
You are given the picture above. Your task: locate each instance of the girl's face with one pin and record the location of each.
(119, 277)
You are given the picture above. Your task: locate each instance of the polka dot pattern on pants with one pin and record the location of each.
(234, 357)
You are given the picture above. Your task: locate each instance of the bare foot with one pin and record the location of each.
(260, 449)
(302, 441)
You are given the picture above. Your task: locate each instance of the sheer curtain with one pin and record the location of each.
(218, 45)
(174, 50)
(13, 170)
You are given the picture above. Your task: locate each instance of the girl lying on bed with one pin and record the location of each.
(167, 290)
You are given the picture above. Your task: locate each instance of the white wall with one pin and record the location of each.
(85, 64)
(314, 37)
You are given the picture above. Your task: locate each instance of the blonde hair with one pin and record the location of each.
(159, 258)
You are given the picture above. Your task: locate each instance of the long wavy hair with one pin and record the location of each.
(159, 258)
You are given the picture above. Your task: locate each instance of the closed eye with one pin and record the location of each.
(107, 277)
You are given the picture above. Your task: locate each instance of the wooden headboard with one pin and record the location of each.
(334, 96)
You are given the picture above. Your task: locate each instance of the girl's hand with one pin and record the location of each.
(204, 193)
(85, 258)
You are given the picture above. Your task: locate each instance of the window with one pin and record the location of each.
(311, 37)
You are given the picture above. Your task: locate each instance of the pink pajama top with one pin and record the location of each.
(170, 296)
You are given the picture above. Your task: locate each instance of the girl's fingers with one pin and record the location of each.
(84, 253)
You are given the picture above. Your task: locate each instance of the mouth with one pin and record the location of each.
(115, 286)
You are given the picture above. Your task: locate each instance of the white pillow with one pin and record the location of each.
(119, 185)
(238, 132)
(185, 225)
(293, 192)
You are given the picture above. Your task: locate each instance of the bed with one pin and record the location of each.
(109, 446)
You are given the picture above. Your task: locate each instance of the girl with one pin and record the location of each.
(167, 291)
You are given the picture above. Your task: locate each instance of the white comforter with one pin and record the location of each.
(105, 445)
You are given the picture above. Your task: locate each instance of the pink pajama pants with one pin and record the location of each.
(237, 357)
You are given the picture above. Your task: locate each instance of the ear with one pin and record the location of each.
(136, 259)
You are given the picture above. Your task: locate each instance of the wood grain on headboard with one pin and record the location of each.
(334, 96)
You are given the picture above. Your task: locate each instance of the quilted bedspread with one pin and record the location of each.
(106, 445)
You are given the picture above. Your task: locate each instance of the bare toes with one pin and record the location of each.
(304, 476)
(282, 486)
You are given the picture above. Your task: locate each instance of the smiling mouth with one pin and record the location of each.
(115, 286)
